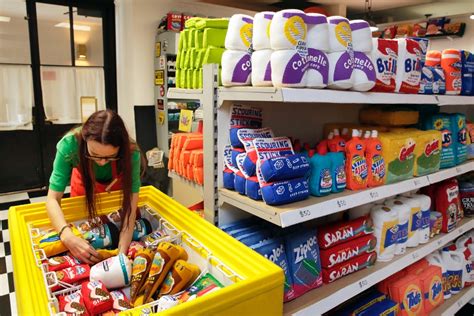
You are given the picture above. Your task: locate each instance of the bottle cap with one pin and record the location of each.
(375, 133)
(331, 135)
(355, 133)
(336, 132)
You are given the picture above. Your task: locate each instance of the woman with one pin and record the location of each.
(97, 157)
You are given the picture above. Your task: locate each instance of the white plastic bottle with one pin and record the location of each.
(454, 262)
(403, 213)
(437, 260)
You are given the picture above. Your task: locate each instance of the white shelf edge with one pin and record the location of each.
(269, 94)
(184, 94)
(380, 271)
(174, 175)
(309, 209)
(455, 303)
(444, 100)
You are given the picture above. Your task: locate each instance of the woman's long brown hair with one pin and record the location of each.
(108, 128)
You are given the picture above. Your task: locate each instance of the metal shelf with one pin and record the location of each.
(328, 296)
(455, 303)
(315, 207)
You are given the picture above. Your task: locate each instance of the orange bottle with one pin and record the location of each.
(345, 134)
(451, 64)
(356, 165)
(375, 162)
(335, 142)
(366, 137)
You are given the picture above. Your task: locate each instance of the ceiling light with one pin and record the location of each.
(472, 16)
(75, 27)
(5, 18)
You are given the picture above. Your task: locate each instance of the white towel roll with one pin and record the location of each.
(317, 72)
(261, 30)
(341, 66)
(288, 29)
(403, 212)
(385, 230)
(364, 72)
(239, 32)
(261, 68)
(318, 33)
(288, 69)
(340, 35)
(236, 68)
(361, 36)
(408, 66)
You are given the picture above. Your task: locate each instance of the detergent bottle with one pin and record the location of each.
(336, 143)
(454, 261)
(403, 212)
(356, 165)
(436, 259)
(345, 134)
(366, 137)
(338, 171)
(375, 161)
(320, 181)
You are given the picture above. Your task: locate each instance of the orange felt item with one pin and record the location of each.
(193, 142)
(189, 172)
(184, 157)
(432, 286)
(417, 267)
(199, 175)
(408, 293)
(383, 286)
(198, 158)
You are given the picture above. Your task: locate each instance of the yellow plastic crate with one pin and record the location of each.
(258, 290)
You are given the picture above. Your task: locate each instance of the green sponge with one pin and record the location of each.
(198, 38)
(213, 55)
(193, 59)
(183, 40)
(200, 57)
(214, 37)
(212, 23)
(191, 23)
(191, 42)
(189, 78)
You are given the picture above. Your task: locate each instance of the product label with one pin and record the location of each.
(295, 29)
(246, 32)
(301, 252)
(344, 33)
(340, 177)
(446, 285)
(268, 148)
(415, 221)
(325, 183)
(436, 291)
(344, 67)
(139, 265)
(412, 68)
(247, 135)
(462, 136)
(363, 63)
(245, 116)
(455, 280)
(359, 169)
(299, 64)
(378, 168)
(386, 65)
(412, 300)
(168, 284)
(242, 70)
(402, 234)
(389, 235)
(447, 138)
(157, 265)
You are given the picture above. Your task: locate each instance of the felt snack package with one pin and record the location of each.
(142, 228)
(348, 250)
(72, 275)
(62, 262)
(140, 268)
(73, 304)
(343, 231)
(121, 303)
(181, 276)
(355, 264)
(104, 236)
(96, 297)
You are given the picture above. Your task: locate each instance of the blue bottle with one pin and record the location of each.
(338, 172)
(320, 181)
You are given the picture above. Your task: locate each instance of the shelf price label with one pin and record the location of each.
(341, 203)
(305, 213)
(459, 170)
(415, 255)
(417, 182)
(374, 195)
(439, 242)
(363, 283)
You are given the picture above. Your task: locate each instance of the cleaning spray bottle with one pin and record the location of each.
(320, 181)
(356, 165)
(375, 161)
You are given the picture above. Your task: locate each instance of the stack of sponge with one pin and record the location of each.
(186, 156)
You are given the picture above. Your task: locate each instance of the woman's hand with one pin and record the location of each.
(125, 240)
(80, 248)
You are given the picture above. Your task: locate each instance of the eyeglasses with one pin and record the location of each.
(99, 158)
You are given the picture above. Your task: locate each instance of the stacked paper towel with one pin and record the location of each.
(341, 53)
(364, 70)
(261, 66)
(200, 43)
(236, 60)
(299, 42)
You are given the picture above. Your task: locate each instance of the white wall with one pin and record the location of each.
(466, 42)
(136, 22)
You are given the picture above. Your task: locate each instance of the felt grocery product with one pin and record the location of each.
(383, 286)
(467, 73)
(284, 192)
(205, 284)
(140, 268)
(433, 58)
(424, 230)
(385, 307)
(341, 68)
(163, 260)
(436, 259)
(120, 302)
(287, 167)
(356, 164)
(213, 37)
(215, 23)
(318, 31)
(417, 267)
(364, 302)
(451, 64)
(261, 30)
(442, 122)
(288, 29)
(304, 260)
(436, 223)
(104, 236)
(212, 55)
(408, 294)
(353, 265)
(338, 172)
(114, 272)
(246, 137)
(448, 204)
(426, 80)
(427, 151)
(361, 36)
(73, 304)
(239, 32)
(459, 130)
(431, 279)
(385, 221)
(142, 228)
(399, 156)
(252, 188)
(454, 263)
(133, 249)
(180, 277)
(388, 116)
(439, 80)
(364, 74)
(239, 182)
(155, 237)
(261, 68)
(403, 211)
(336, 143)
(344, 231)
(408, 66)
(466, 193)
(96, 297)
(320, 180)
(385, 56)
(375, 161)
(346, 251)
(50, 242)
(340, 34)
(236, 68)
(243, 117)
(414, 223)
(62, 262)
(274, 250)
(72, 275)
(255, 236)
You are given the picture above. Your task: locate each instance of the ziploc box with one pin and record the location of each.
(408, 294)
(458, 123)
(302, 251)
(362, 302)
(386, 308)
(442, 122)
(399, 155)
(274, 250)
